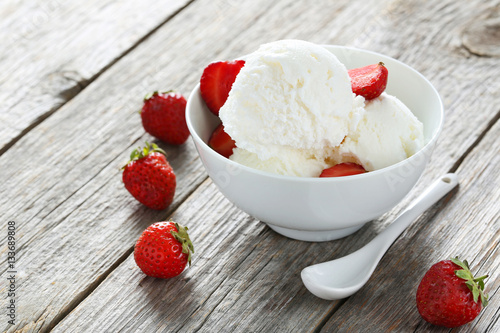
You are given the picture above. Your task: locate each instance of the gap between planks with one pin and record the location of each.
(480, 137)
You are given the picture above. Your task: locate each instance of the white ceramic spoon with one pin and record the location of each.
(343, 277)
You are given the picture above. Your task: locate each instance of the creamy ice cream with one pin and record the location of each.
(291, 162)
(387, 134)
(291, 111)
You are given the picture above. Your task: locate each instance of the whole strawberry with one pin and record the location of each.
(163, 250)
(149, 177)
(449, 295)
(163, 116)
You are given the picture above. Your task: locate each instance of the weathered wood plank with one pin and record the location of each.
(52, 49)
(76, 222)
(255, 281)
(257, 285)
(228, 268)
(65, 190)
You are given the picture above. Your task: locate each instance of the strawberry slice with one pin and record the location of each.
(369, 81)
(221, 142)
(343, 169)
(216, 82)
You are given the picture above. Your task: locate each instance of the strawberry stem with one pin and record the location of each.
(154, 93)
(475, 285)
(149, 95)
(139, 153)
(182, 237)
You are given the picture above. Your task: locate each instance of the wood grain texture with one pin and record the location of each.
(267, 296)
(77, 224)
(234, 275)
(52, 49)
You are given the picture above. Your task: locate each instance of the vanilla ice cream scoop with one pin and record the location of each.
(387, 134)
(290, 162)
(290, 97)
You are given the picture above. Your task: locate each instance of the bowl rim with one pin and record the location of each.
(387, 169)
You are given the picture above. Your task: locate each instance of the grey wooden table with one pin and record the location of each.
(72, 78)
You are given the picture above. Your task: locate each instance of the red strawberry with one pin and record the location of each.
(216, 82)
(343, 169)
(449, 295)
(163, 250)
(149, 177)
(163, 116)
(369, 81)
(221, 142)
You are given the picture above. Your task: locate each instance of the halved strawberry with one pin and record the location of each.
(369, 81)
(221, 142)
(343, 169)
(216, 82)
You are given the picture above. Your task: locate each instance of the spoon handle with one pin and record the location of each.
(428, 198)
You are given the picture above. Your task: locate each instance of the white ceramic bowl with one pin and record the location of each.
(321, 209)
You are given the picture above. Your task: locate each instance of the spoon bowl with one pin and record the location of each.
(343, 277)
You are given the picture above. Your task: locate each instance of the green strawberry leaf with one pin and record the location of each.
(475, 293)
(458, 262)
(134, 154)
(470, 284)
(484, 298)
(154, 93)
(475, 285)
(463, 274)
(182, 237)
(139, 153)
(149, 95)
(480, 280)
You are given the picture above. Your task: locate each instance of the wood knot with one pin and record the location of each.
(65, 83)
(482, 37)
